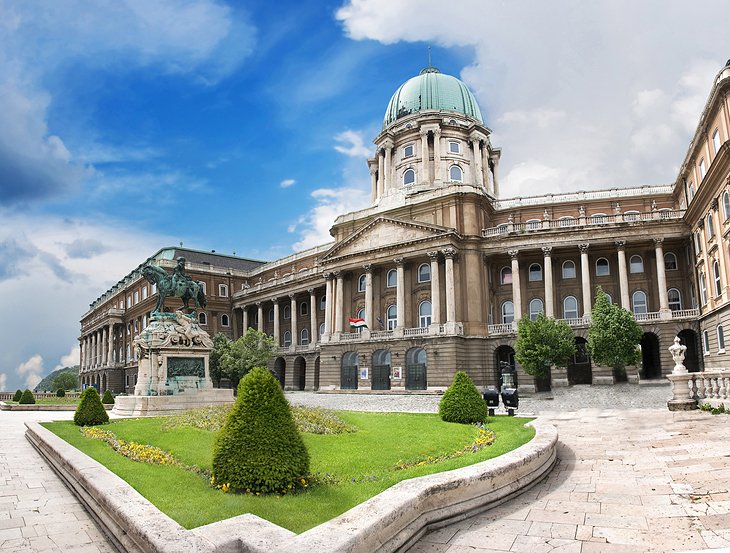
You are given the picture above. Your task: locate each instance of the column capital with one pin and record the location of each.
(547, 251)
(388, 143)
(513, 253)
(336, 274)
(373, 170)
(583, 248)
(434, 255)
(368, 267)
(327, 276)
(620, 245)
(658, 242)
(449, 253)
(423, 133)
(398, 261)
(310, 290)
(437, 132)
(275, 300)
(259, 304)
(291, 295)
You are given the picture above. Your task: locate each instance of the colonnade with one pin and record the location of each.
(97, 348)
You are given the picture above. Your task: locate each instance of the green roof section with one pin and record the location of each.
(432, 90)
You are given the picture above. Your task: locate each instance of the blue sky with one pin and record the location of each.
(245, 126)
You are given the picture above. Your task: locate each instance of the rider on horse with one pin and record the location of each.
(180, 278)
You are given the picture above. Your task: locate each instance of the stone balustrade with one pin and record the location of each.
(709, 387)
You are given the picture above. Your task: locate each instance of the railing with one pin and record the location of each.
(577, 321)
(709, 387)
(686, 313)
(642, 192)
(415, 331)
(350, 336)
(381, 334)
(645, 317)
(505, 328)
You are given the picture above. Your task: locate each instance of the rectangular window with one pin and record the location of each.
(223, 290)
(706, 342)
(716, 140)
(136, 297)
(408, 151)
(454, 148)
(720, 340)
(129, 301)
(144, 292)
(703, 169)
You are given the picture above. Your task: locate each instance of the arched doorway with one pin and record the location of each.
(348, 371)
(579, 367)
(300, 373)
(280, 370)
(688, 338)
(503, 354)
(416, 361)
(381, 370)
(651, 365)
(316, 374)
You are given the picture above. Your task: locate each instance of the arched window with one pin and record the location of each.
(409, 177)
(703, 169)
(703, 289)
(716, 274)
(568, 269)
(287, 338)
(710, 227)
(202, 318)
(706, 342)
(675, 299)
(360, 315)
(424, 314)
(602, 267)
(391, 278)
(455, 173)
(304, 308)
(690, 192)
(534, 224)
(535, 273)
(304, 337)
(566, 221)
(287, 312)
(570, 308)
(505, 275)
(716, 141)
(636, 264)
(225, 321)
(725, 205)
(720, 340)
(536, 307)
(609, 298)
(698, 243)
(424, 273)
(391, 316)
(323, 303)
(271, 315)
(632, 215)
(670, 262)
(508, 312)
(638, 303)
(361, 282)
(321, 330)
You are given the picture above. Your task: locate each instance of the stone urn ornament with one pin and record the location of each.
(678, 351)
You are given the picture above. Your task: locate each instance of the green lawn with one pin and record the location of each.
(363, 463)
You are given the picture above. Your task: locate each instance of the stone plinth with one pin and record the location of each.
(681, 396)
(154, 406)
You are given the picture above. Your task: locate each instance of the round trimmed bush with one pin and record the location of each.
(462, 402)
(27, 398)
(259, 450)
(108, 398)
(17, 395)
(61, 393)
(90, 411)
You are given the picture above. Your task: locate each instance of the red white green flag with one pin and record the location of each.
(357, 323)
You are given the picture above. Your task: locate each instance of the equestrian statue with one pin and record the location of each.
(178, 285)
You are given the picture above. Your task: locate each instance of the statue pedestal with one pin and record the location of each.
(173, 373)
(681, 394)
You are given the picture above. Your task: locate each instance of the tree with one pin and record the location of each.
(221, 344)
(613, 334)
(90, 411)
(462, 402)
(27, 398)
(253, 349)
(542, 343)
(65, 381)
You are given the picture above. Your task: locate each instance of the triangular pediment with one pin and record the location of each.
(384, 233)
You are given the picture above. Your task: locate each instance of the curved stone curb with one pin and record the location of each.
(388, 522)
(43, 407)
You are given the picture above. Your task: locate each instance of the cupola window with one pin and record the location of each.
(409, 177)
(454, 147)
(408, 151)
(455, 173)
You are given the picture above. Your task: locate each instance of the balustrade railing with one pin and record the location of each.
(505, 328)
(349, 336)
(420, 331)
(711, 387)
(686, 313)
(381, 334)
(644, 317)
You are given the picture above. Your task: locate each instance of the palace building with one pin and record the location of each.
(440, 267)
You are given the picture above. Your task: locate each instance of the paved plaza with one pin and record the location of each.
(633, 480)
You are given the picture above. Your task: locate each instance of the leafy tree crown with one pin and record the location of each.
(542, 343)
(613, 335)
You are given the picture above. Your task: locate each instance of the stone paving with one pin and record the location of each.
(37, 511)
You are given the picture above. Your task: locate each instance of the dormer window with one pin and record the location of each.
(408, 150)
(454, 147)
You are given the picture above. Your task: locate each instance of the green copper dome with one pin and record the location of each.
(431, 90)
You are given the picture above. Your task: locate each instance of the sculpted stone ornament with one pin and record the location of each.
(678, 351)
(171, 330)
(179, 285)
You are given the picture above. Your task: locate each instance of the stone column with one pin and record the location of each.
(338, 300)
(244, 309)
(661, 279)
(368, 295)
(548, 262)
(328, 304)
(388, 166)
(277, 328)
(721, 253)
(400, 293)
(95, 348)
(516, 292)
(585, 273)
(437, 155)
(478, 175)
(435, 288)
(380, 174)
(373, 184)
(260, 315)
(294, 313)
(495, 164)
(425, 166)
(623, 275)
(450, 254)
(84, 353)
(110, 349)
(314, 331)
(486, 179)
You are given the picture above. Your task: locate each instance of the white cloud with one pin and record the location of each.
(3, 382)
(352, 143)
(31, 370)
(286, 183)
(70, 359)
(600, 99)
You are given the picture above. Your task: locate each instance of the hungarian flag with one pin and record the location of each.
(357, 323)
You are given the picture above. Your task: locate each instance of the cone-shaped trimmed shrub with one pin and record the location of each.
(61, 392)
(90, 411)
(462, 402)
(259, 450)
(108, 398)
(27, 398)
(17, 395)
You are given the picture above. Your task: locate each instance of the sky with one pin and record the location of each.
(245, 127)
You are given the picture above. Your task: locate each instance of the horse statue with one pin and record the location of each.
(176, 286)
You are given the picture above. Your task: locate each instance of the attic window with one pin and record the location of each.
(454, 147)
(408, 151)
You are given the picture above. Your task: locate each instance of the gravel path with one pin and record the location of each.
(573, 398)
